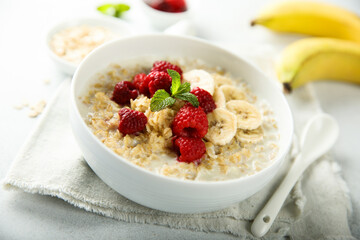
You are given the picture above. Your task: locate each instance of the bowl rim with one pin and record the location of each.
(105, 22)
(280, 157)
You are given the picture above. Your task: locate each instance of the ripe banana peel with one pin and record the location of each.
(311, 18)
(319, 58)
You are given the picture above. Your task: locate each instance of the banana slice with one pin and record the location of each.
(250, 136)
(221, 80)
(248, 117)
(219, 98)
(200, 78)
(222, 126)
(232, 93)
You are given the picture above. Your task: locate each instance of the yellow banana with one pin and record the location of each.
(319, 58)
(312, 18)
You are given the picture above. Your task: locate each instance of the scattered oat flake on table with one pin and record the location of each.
(37, 109)
(18, 106)
(23, 104)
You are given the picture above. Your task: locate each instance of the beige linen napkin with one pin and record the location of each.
(50, 163)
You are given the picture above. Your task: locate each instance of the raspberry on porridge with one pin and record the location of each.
(189, 149)
(158, 80)
(142, 84)
(123, 92)
(183, 119)
(206, 101)
(163, 66)
(190, 122)
(131, 121)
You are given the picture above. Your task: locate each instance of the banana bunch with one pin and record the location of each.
(311, 18)
(315, 58)
(312, 59)
(234, 116)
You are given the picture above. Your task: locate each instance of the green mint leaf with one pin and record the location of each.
(160, 105)
(114, 10)
(175, 81)
(184, 88)
(107, 9)
(120, 9)
(191, 98)
(161, 100)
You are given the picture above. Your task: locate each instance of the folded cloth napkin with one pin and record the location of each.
(50, 163)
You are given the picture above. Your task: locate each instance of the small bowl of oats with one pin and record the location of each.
(69, 42)
(178, 124)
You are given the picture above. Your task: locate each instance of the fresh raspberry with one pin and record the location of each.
(205, 99)
(190, 122)
(131, 121)
(141, 83)
(158, 80)
(163, 66)
(123, 92)
(189, 149)
(169, 5)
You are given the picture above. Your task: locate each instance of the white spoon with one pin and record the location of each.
(319, 135)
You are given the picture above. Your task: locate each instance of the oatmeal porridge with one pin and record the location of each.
(226, 132)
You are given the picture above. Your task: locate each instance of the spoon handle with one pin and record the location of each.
(267, 215)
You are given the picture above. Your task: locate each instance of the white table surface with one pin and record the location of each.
(25, 66)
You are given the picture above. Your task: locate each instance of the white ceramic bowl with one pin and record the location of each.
(116, 26)
(150, 189)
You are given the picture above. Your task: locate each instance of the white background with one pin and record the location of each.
(24, 66)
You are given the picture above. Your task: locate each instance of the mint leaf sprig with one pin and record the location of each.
(163, 99)
(114, 10)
